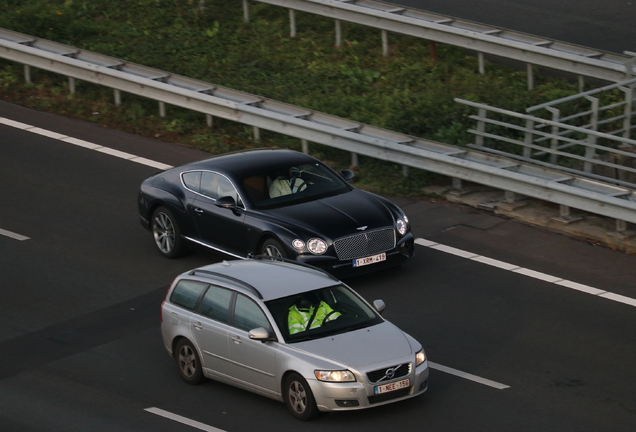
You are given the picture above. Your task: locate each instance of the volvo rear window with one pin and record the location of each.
(187, 293)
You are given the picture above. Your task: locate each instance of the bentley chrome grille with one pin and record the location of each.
(365, 244)
(387, 374)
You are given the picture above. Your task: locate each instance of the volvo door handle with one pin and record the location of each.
(237, 339)
(198, 211)
(197, 325)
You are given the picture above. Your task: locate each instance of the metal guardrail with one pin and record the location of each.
(577, 150)
(614, 118)
(526, 48)
(459, 163)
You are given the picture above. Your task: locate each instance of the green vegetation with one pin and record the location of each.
(406, 91)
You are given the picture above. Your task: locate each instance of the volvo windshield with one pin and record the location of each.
(321, 313)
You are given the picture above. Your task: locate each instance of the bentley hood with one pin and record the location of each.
(338, 215)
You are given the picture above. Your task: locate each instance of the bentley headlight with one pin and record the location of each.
(317, 246)
(420, 357)
(402, 225)
(335, 376)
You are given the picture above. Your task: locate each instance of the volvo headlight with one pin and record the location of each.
(317, 246)
(402, 225)
(298, 244)
(335, 376)
(420, 357)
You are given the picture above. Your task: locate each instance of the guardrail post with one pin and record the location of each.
(554, 141)
(629, 65)
(385, 43)
(629, 107)
(305, 146)
(581, 83)
(292, 23)
(481, 127)
(246, 11)
(117, 97)
(257, 134)
(530, 72)
(27, 74)
(621, 230)
(480, 61)
(590, 152)
(513, 201)
(338, 34)
(209, 120)
(458, 188)
(71, 85)
(162, 109)
(528, 139)
(565, 217)
(354, 159)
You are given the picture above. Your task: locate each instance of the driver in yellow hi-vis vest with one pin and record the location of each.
(308, 316)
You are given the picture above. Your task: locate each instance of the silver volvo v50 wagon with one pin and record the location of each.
(290, 332)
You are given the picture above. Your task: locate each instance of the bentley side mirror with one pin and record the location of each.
(227, 202)
(347, 174)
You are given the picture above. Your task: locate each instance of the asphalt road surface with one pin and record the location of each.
(513, 346)
(526, 330)
(606, 25)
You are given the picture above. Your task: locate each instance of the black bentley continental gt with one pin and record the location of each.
(274, 202)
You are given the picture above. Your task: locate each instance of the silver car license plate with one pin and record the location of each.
(392, 386)
(369, 260)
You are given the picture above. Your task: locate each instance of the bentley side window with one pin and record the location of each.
(209, 184)
(192, 180)
(215, 186)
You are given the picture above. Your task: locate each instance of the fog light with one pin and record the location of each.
(347, 403)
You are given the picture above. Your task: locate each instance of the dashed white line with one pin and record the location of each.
(467, 376)
(13, 235)
(85, 144)
(527, 272)
(183, 420)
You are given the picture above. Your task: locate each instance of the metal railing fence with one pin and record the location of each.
(481, 38)
(611, 109)
(310, 126)
(582, 151)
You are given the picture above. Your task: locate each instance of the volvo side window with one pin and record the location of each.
(187, 293)
(248, 315)
(216, 304)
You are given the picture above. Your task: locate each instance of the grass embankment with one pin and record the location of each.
(406, 91)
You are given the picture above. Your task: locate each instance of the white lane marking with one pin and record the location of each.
(14, 123)
(183, 420)
(85, 144)
(13, 235)
(528, 272)
(467, 376)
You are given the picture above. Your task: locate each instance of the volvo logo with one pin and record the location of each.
(362, 228)
(390, 373)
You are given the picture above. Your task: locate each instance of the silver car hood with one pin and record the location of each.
(377, 344)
